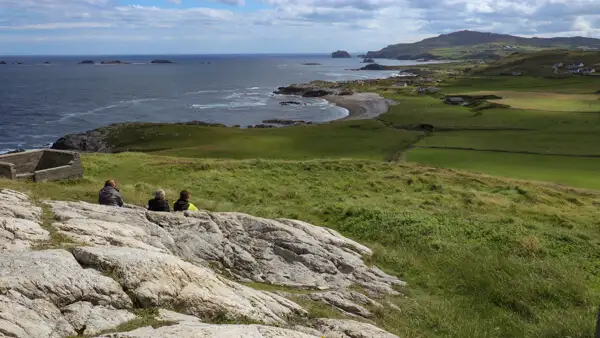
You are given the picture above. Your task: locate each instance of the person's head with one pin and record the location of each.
(185, 195)
(110, 183)
(160, 194)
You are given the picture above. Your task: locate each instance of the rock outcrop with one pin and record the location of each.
(89, 141)
(162, 61)
(123, 259)
(19, 222)
(340, 54)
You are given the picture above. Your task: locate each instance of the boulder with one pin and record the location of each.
(23, 317)
(155, 279)
(89, 141)
(340, 54)
(287, 103)
(89, 319)
(200, 330)
(338, 328)
(19, 222)
(55, 276)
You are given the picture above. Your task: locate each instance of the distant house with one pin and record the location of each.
(517, 73)
(428, 90)
(401, 84)
(576, 66)
(455, 101)
(558, 65)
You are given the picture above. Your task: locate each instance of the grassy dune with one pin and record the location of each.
(484, 256)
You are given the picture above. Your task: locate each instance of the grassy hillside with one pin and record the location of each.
(539, 63)
(484, 256)
(345, 139)
(477, 45)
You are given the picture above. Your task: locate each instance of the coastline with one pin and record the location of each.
(361, 106)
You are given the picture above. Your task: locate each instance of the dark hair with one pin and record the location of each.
(184, 195)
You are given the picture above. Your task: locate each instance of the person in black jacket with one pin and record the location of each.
(110, 195)
(159, 203)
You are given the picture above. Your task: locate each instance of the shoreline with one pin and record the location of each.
(361, 106)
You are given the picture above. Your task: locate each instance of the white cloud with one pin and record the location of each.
(293, 25)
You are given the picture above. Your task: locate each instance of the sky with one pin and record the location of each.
(111, 27)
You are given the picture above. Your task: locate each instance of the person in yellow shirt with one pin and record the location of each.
(183, 203)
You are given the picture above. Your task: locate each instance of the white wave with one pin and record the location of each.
(136, 101)
(89, 112)
(253, 88)
(231, 105)
(209, 106)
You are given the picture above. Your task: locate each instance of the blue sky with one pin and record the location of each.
(271, 26)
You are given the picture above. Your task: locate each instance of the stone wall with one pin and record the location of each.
(41, 165)
(53, 159)
(7, 170)
(24, 162)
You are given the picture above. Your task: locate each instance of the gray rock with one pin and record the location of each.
(338, 328)
(19, 222)
(175, 317)
(22, 317)
(93, 224)
(17, 205)
(55, 276)
(90, 319)
(199, 330)
(20, 234)
(160, 280)
(350, 302)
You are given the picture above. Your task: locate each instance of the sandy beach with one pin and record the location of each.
(361, 106)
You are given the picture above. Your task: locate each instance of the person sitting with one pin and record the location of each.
(110, 195)
(183, 204)
(159, 203)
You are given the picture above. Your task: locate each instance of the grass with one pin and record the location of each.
(56, 240)
(574, 171)
(547, 142)
(350, 139)
(483, 256)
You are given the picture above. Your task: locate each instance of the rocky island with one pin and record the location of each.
(162, 61)
(87, 62)
(340, 54)
(115, 62)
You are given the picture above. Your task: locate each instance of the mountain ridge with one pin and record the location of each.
(486, 45)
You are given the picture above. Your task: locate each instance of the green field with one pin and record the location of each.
(345, 139)
(573, 171)
(483, 256)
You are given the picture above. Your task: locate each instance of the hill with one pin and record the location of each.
(476, 45)
(543, 63)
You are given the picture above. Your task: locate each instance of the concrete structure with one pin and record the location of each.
(41, 165)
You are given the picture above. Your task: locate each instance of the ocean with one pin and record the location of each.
(40, 102)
